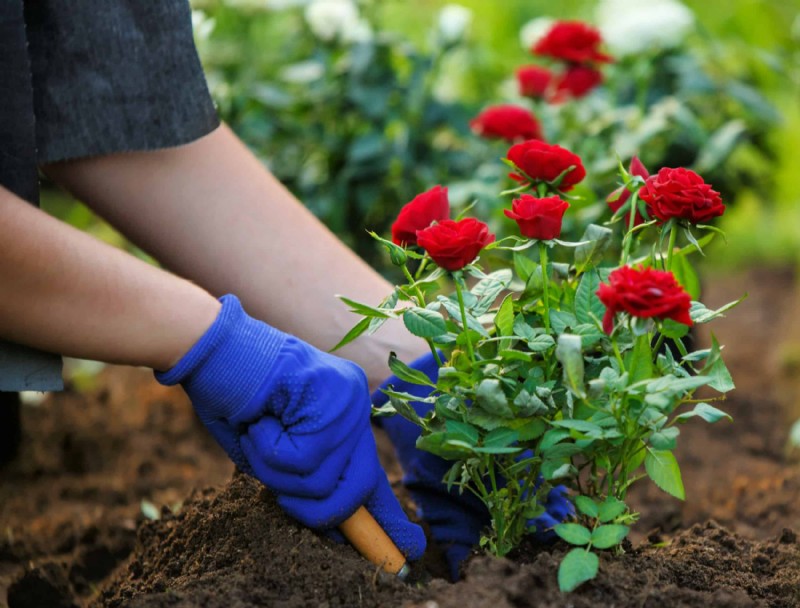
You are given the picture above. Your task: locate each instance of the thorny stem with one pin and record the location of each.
(421, 304)
(545, 282)
(464, 326)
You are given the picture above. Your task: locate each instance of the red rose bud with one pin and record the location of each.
(572, 41)
(421, 212)
(454, 244)
(542, 162)
(682, 194)
(576, 82)
(508, 122)
(534, 81)
(620, 196)
(645, 293)
(538, 218)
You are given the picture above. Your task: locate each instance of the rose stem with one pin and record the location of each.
(463, 309)
(545, 282)
(421, 304)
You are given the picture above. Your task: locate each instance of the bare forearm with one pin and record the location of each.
(212, 213)
(65, 292)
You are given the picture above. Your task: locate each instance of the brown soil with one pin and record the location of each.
(70, 507)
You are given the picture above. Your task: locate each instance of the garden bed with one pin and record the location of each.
(70, 508)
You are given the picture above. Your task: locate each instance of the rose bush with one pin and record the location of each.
(620, 196)
(552, 373)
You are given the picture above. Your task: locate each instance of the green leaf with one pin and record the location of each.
(528, 404)
(440, 443)
(583, 426)
(673, 329)
(354, 333)
(587, 304)
(492, 399)
(640, 360)
(366, 310)
(605, 537)
(503, 437)
(715, 369)
(685, 275)
(424, 323)
(663, 469)
(705, 411)
(552, 437)
(404, 408)
(504, 319)
(524, 266)
(591, 253)
(463, 430)
(611, 509)
(577, 567)
(541, 343)
(528, 428)
(570, 355)
(574, 534)
(404, 372)
(587, 506)
(700, 314)
(665, 439)
(560, 320)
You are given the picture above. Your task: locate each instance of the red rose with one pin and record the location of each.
(508, 122)
(453, 245)
(576, 82)
(538, 218)
(681, 193)
(572, 41)
(620, 196)
(421, 212)
(534, 81)
(645, 293)
(541, 162)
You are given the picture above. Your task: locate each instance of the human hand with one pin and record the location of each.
(455, 520)
(295, 418)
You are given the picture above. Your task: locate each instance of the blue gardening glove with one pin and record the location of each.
(455, 520)
(294, 417)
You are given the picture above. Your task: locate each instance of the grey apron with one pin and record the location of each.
(85, 78)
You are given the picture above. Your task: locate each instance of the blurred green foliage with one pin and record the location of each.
(356, 127)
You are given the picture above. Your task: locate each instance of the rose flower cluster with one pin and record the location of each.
(550, 171)
(575, 48)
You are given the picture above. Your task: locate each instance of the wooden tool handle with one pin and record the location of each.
(367, 536)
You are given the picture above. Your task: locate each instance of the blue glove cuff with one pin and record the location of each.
(224, 370)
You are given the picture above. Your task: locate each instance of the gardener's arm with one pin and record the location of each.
(66, 292)
(212, 213)
(293, 417)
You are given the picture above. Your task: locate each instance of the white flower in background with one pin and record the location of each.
(303, 72)
(533, 30)
(202, 25)
(454, 20)
(332, 19)
(634, 26)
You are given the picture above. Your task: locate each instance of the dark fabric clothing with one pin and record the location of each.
(17, 128)
(85, 78)
(115, 76)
